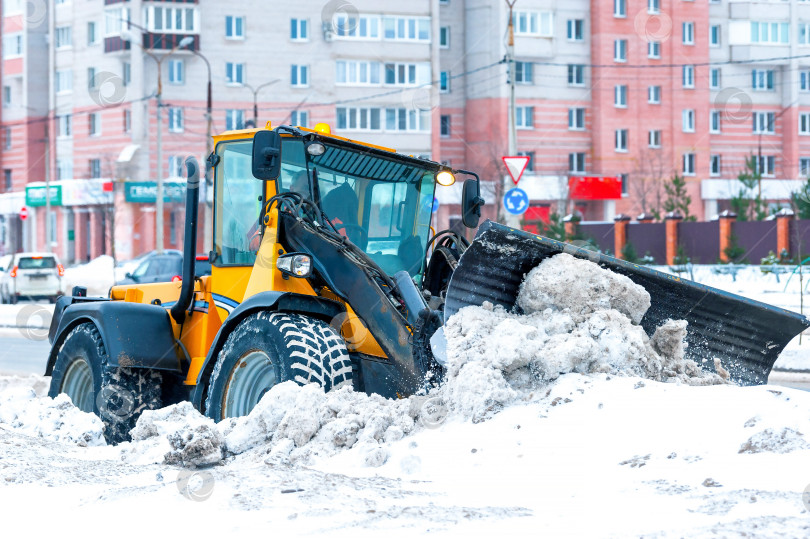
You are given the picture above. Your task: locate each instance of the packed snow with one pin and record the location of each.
(564, 420)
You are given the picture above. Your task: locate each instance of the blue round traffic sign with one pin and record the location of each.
(516, 201)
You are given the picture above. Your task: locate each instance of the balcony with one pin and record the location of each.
(760, 11)
(152, 41)
(745, 53)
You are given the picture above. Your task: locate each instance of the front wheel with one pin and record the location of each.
(266, 349)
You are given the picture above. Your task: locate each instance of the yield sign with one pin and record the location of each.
(516, 165)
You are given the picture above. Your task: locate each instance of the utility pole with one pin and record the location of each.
(47, 183)
(159, 189)
(208, 217)
(511, 220)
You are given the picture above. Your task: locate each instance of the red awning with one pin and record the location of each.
(594, 187)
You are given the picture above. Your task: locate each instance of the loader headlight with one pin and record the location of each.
(295, 265)
(315, 149)
(445, 178)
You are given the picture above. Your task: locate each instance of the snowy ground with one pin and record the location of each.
(521, 442)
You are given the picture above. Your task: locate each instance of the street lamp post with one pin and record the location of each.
(256, 99)
(209, 147)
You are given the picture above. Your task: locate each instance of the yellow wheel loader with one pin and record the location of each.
(321, 274)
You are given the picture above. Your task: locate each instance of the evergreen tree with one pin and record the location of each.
(677, 197)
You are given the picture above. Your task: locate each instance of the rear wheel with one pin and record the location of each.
(117, 395)
(266, 349)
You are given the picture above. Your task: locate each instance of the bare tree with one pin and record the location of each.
(653, 168)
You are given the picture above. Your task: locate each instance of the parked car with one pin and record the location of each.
(32, 276)
(162, 268)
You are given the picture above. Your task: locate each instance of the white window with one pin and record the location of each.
(533, 23)
(176, 166)
(95, 168)
(688, 120)
(127, 73)
(714, 35)
(576, 75)
(620, 50)
(234, 74)
(64, 37)
(524, 72)
(178, 20)
(65, 125)
(653, 6)
(804, 124)
(576, 119)
(407, 120)
(714, 165)
(766, 164)
(7, 138)
(575, 29)
(688, 76)
(688, 164)
(115, 20)
(92, 33)
(234, 27)
(621, 140)
(6, 96)
(524, 117)
(763, 123)
(620, 96)
(12, 45)
(688, 36)
(127, 121)
(234, 119)
(576, 162)
(714, 78)
(407, 74)
(357, 73)
(299, 118)
(63, 81)
(91, 78)
(407, 28)
(762, 79)
(804, 33)
(177, 71)
(804, 166)
(445, 125)
(714, 121)
(175, 119)
(770, 33)
(94, 124)
(299, 30)
(804, 81)
(358, 27)
(444, 81)
(654, 95)
(359, 119)
(444, 37)
(654, 138)
(654, 49)
(619, 8)
(64, 169)
(299, 76)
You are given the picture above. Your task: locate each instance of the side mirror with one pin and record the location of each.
(266, 155)
(471, 203)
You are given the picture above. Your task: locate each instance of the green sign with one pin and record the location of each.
(71, 235)
(35, 195)
(146, 192)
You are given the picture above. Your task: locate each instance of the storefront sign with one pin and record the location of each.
(35, 196)
(146, 192)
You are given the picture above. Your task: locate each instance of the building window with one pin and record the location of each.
(688, 36)
(530, 163)
(653, 7)
(127, 73)
(714, 165)
(445, 125)
(7, 184)
(524, 72)
(300, 118)
(407, 74)
(524, 117)
(91, 78)
(762, 79)
(804, 81)
(12, 45)
(770, 33)
(234, 27)
(765, 164)
(63, 81)
(688, 164)
(654, 138)
(804, 124)
(409, 120)
(65, 125)
(444, 37)
(620, 8)
(533, 23)
(64, 37)
(401, 28)
(714, 121)
(575, 29)
(177, 20)
(714, 78)
(576, 75)
(576, 119)
(688, 121)
(364, 119)
(299, 30)
(92, 33)
(444, 81)
(175, 119)
(714, 35)
(763, 123)
(359, 27)
(621, 140)
(7, 138)
(620, 96)
(94, 124)
(6, 96)
(234, 73)
(234, 119)
(127, 121)
(95, 168)
(177, 71)
(804, 33)
(64, 169)
(299, 76)
(357, 73)
(654, 95)
(576, 162)
(654, 49)
(804, 166)
(620, 50)
(688, 76)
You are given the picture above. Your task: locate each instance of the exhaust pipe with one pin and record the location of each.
(190, 241)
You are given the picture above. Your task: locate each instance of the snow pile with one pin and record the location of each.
(769, 440)
(97, 276)
(53, 419)
(38, 384)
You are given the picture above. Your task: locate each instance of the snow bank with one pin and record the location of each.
(53, 419)
(97, 276)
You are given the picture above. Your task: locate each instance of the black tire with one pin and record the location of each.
(269, 348)
(117, 395)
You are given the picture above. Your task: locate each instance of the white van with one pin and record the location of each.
(33, 276)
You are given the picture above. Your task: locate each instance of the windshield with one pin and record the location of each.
(38, 262)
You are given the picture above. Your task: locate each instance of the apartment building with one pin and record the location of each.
(630, 89)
